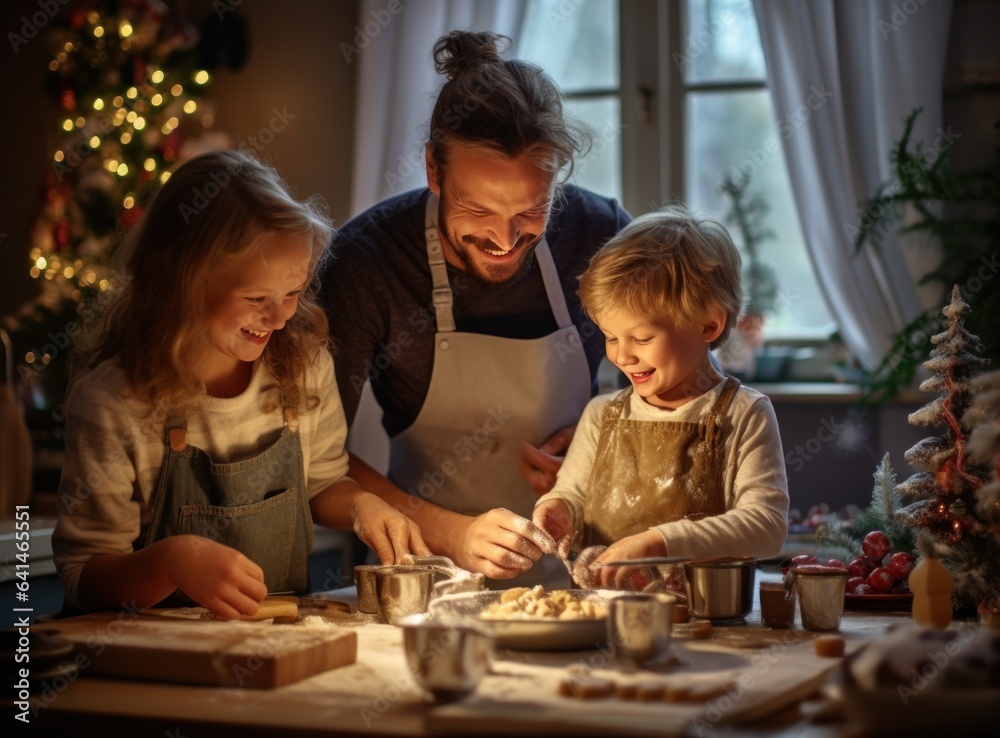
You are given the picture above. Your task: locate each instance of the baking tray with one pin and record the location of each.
(542, 634)
(900, 601)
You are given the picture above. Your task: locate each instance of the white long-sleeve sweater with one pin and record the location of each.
(755, 483)
(114, 453)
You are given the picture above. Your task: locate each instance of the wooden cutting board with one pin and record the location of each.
(251, 655)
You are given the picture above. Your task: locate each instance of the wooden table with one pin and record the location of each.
(376, 695)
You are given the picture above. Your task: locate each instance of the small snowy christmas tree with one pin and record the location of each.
(946, 513)
(885, 513)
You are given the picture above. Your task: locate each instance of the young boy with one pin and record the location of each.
(685, 461)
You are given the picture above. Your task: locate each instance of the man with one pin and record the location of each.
(459, 303)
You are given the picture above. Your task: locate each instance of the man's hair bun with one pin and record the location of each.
(463, 51)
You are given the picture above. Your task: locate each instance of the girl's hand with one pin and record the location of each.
(215, 576)
(642, 545)
(553, 516)
(387, 531)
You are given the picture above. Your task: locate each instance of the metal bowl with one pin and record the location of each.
(720, 589)
(446, 660)
(541, 634)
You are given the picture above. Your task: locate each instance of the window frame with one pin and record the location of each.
(654, 96)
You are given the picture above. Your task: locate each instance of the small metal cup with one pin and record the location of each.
(402, 591)
(364, 579)
(447, 661)
(821, 598)
(720, 589)
(639, 627)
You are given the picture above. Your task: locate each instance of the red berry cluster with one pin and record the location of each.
(875, 571)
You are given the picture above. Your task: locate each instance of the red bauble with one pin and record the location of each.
(128, 218)
(67, 98)
(860, 567)
(875, 545)
(900, 565)
(945, 477)
(881, 580)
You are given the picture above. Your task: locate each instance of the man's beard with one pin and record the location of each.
(493, 273)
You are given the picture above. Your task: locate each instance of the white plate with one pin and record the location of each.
(541, 634)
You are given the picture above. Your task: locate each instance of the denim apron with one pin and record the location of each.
(647, 473)
(259, 505)
(487, 394)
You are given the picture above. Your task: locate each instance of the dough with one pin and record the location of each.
(529, 604)
(830, 645)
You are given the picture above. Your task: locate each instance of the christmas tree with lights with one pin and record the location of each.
(951, 523)
(129, 78)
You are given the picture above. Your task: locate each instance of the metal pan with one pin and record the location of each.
(526, 635)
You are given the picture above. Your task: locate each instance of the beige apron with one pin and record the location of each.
(649, 473)
(486, 395)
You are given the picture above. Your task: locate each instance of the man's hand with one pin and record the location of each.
(553, 516)
(500, 544)
(387, 531)
(539, 465)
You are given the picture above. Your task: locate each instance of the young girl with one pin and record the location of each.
(685, 461)
(204, 429)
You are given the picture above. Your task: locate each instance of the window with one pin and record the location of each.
(576, 43)
(676, 91)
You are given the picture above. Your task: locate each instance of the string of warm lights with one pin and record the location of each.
(118, 126)
(126, 99)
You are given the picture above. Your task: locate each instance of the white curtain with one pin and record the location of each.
(397, 87)
(872, 63)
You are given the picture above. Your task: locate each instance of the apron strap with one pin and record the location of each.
(441, 294)
(721, 406)
(614, 408)
(553, 288)
(178, 439)
(176, 434)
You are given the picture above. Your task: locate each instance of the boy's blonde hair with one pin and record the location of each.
(667, 265)
(213, 211)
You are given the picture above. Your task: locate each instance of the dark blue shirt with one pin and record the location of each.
(377, 294)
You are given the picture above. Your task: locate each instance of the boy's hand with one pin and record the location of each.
(539, 466)
(641, 545)
(215, 576)
(553, 516)
(387, 531)
(583, 575)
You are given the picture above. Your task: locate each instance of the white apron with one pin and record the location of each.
(486, 395)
